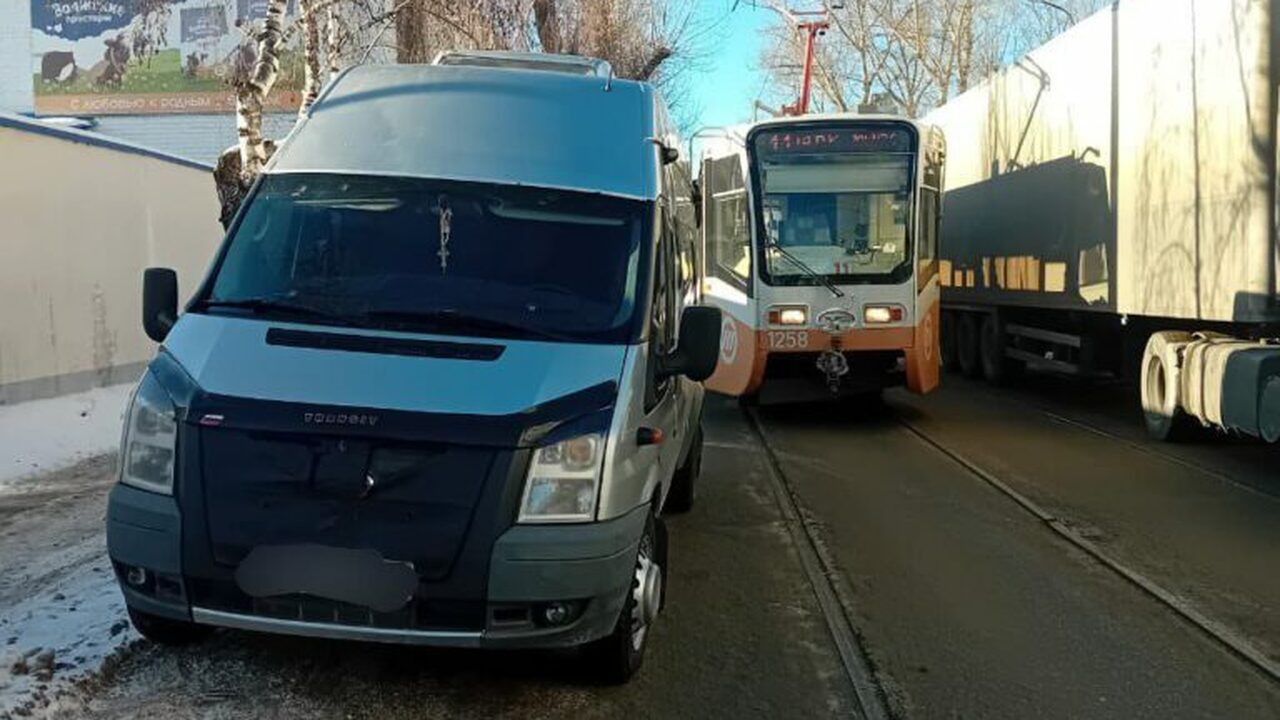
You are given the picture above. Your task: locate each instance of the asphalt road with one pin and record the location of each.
(959, 601)
(741, 636)
(969, 605)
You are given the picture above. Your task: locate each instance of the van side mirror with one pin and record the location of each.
(159, 302)
(698, 349)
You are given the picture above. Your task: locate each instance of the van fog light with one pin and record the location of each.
(556, 614)
(136, 576)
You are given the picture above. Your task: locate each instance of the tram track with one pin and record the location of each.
(828, 584)
(1221, 634)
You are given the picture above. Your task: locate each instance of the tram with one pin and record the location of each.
(820, 246)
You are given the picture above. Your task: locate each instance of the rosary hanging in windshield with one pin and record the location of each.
(446, 222)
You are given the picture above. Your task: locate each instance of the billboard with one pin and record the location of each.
(130, 57)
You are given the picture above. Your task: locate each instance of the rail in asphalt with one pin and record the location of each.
(1139, 447)
(826, 581)
(1224, 636)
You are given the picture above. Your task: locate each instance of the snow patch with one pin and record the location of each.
(44, 435)
(57, 636)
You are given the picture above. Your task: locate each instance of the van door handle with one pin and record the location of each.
(649, 436)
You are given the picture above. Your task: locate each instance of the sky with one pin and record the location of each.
(730, 79)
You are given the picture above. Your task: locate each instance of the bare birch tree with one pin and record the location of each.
(916, 53)
(655, 40)
(326, 28)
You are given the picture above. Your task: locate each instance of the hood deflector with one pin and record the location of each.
(380, 345)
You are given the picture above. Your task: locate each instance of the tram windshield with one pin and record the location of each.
(835, 202)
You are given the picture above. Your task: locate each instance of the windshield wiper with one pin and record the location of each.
(266, 304)
(773, 245)
(460, 321)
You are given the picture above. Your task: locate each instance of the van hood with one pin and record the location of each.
(288, 362)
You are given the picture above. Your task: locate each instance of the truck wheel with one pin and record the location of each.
(996, 367)
(1269, 411)
(1160, 389)
(616, 658)
(165, 631)
(947, 341)
(684, 483)
(967, 345)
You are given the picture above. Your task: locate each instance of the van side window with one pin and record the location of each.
(686, 238)
(662, 323)
(728, 224)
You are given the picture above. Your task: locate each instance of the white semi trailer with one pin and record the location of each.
(1113, 208)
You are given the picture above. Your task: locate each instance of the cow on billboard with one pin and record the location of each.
(148, 56)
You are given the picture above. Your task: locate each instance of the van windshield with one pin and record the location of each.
(436, 256)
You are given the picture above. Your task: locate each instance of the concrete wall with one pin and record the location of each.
(1144, 180)
(83, 217)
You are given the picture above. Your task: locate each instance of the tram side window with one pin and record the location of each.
(728, 222)
(928, 253)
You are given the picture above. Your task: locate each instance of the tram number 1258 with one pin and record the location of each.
(788, 339)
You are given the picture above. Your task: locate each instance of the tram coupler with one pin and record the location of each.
(833, 364)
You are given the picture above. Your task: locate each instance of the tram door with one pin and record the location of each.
(923, 360)
(726, 233)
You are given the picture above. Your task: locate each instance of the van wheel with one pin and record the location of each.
(967, 345)
(165, 631)
(684, 483)
(616, 658)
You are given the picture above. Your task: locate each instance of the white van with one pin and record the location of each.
(442, 379)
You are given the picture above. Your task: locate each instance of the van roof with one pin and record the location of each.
(500, 125)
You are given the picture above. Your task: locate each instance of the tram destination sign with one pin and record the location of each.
(805, 141)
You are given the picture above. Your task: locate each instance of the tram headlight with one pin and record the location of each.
(563, 481)
(882, 314)
(788, 315)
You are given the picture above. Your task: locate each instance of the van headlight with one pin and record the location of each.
(563, 481)
(150, 439)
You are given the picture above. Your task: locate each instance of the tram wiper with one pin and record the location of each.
(773, 245)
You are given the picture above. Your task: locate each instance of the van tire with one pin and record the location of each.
(615, 658)
(684, 482)
(165, 631)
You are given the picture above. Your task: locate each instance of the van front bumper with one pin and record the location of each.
(587, 566)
